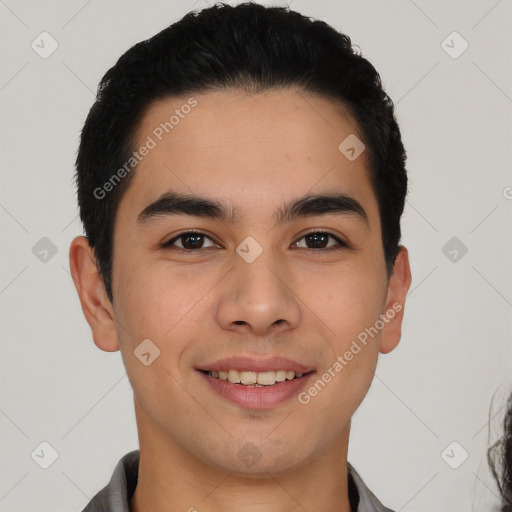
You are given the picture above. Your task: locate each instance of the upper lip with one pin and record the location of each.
(241, 363)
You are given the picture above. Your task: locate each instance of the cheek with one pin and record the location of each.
(155, 306)
(167, 307)
(354, 310)
(348, 389)
(347, 302)
(152, 302)
(337, 391)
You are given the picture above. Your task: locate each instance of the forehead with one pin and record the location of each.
(245, 148)
(285, 116)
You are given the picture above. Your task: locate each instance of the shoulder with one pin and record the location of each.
(367, 501)
(115, 496)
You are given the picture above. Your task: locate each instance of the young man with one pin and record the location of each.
(241, 181)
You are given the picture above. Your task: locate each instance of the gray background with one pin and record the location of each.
(455, 353)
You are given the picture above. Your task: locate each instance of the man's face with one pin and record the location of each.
(303, 297)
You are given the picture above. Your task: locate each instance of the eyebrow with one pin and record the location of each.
(176, 203)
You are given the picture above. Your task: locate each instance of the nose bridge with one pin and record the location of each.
(257, 269)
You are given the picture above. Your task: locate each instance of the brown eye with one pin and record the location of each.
(191, 241)
(319, 240)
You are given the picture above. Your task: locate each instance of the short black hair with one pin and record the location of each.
(248, 47)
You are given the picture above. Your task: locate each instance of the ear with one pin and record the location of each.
(89, 284)
(398, 286)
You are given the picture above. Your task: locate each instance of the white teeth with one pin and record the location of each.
(233, 376)
(280, 375)
(247, 377)
(257, 379)
(266, 378)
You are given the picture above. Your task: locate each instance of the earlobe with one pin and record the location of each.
(398, 286)
(91, 291)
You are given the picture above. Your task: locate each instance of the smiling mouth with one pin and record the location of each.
(255, 379)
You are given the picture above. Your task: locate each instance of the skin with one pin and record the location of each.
(256, 152)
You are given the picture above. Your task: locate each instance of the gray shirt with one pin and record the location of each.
(115, 497)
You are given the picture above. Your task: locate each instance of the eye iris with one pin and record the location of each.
(195, 245)
(316, 237)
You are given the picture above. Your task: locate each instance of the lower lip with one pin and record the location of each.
(255, 397)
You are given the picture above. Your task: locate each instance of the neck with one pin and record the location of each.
(172, 478)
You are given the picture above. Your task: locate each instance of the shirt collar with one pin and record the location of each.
(115, 497)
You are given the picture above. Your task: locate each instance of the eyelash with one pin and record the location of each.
(169, 244)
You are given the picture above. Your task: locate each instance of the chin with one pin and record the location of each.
(256, 461)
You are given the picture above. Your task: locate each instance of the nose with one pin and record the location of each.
(258, 298)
